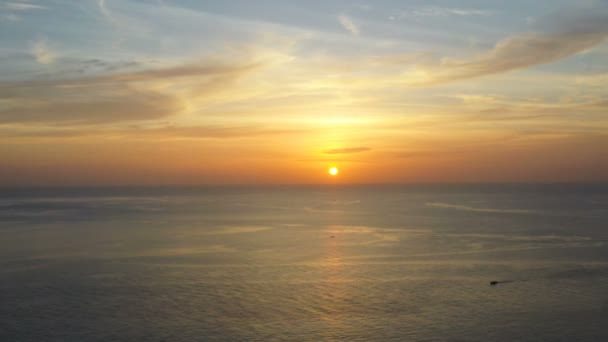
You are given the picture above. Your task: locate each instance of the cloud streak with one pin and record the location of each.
(348, 23)
(435, 11)
(126, 96)
(347, 150)
(21, 6)
(521, 51)
(208, 132)
(42, 53)
(156, 133)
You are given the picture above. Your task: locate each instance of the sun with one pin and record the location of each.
(333, 171)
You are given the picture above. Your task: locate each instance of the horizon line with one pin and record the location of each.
(229, 185)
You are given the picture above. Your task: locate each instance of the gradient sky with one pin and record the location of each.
(210, 92)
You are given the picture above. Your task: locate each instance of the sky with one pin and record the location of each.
(160, 92)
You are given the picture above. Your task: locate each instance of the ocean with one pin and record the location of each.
(305, 263)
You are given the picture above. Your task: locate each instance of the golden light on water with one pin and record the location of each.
(333, 171)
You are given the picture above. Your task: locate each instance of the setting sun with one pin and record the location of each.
(333, 171)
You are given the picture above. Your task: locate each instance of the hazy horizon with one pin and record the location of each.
(312, 185)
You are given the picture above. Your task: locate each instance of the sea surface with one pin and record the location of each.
(305, 263)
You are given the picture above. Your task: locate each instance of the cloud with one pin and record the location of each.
(42, 53)
(348, 24)
(435, 11)
(595, 80)
(399, 59)
(208, 132)
(347, 150)
(187, 70)
(95, 105)
(521, 51)
(156, 133)
(21, 6)
(93, 66)
(123, 23)
(103, 8)
(424, 154)
(126, 96)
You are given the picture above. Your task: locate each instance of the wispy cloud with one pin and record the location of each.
(43, 53)
(143, 133)
(101, 4)
(348, 24)
(521, 51)
(424, 154)
(21, 6)
(204, 132)
(436, 11)
(123, 24)
(112, 98)
(347, 150)
(399, 59)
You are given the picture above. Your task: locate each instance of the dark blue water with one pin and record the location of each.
(360, 263)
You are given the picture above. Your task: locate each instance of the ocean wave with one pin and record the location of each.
(483, 210)
(236, 230)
